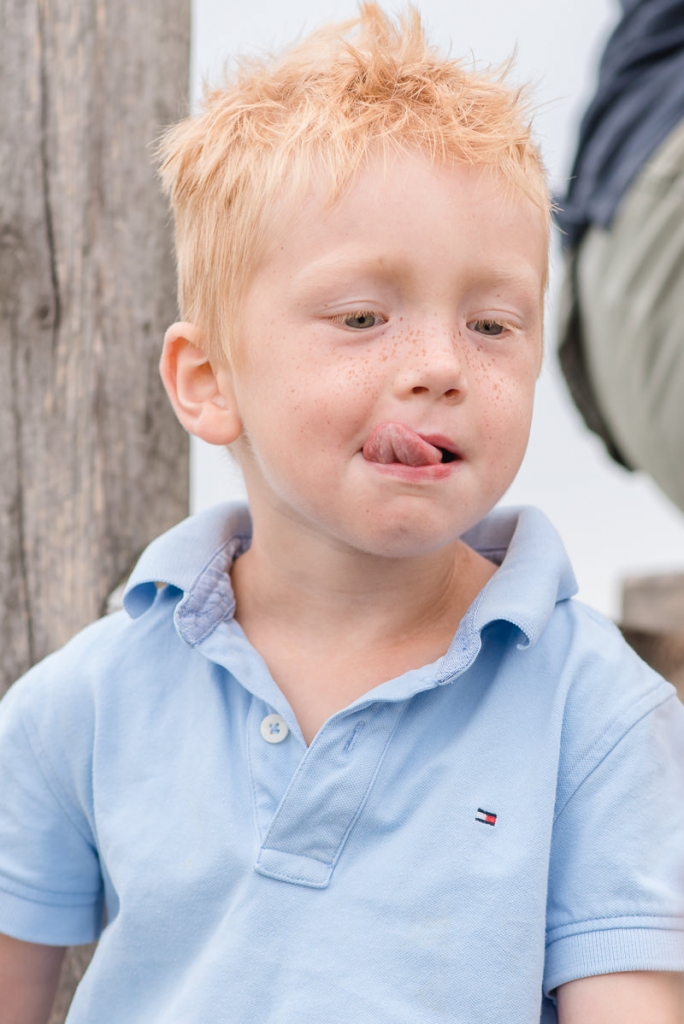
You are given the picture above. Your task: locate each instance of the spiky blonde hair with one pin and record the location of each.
(349, 89)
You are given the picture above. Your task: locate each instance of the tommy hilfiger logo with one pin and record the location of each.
(486, 816)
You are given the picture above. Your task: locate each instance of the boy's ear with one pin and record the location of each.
(202, 397)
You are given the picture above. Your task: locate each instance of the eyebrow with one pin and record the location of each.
(331, 268)
(375, 266)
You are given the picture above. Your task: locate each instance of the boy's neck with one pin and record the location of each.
(324, 589)
(316, 612)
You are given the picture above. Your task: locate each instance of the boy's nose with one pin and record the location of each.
(434, 368)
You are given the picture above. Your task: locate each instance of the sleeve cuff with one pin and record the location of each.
(51, 923)
(611, 951)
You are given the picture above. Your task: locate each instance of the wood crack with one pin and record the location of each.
(45, 179)
(22, 554)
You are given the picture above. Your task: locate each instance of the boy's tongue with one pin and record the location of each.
(393, 442)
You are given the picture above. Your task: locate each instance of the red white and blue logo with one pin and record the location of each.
(485, 816)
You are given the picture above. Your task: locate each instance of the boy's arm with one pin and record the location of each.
(634, 997)
(29, 974)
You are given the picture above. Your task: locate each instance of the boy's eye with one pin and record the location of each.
(490, 328)
(361, 321)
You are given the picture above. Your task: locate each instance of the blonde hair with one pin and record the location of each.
(325, 104)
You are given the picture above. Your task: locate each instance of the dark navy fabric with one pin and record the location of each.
(638, 101)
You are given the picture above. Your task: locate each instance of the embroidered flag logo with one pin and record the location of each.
(486, 816)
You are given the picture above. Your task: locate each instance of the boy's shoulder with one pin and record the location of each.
(572, 660)
(186, 565)
(102, 696)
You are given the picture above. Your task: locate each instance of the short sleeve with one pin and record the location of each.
(616, 883)
(50, 882)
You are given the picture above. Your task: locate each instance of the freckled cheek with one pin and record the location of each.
(322, 410)
(349, 383)
(507, 411)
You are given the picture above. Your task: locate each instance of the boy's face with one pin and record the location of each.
(389, 349)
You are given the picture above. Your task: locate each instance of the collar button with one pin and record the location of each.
(274, 729)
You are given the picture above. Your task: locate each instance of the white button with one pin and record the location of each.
(274, 729)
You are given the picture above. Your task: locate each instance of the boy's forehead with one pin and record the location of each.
(318, 192)
(391, 211)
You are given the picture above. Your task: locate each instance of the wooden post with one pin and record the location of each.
(92, 462)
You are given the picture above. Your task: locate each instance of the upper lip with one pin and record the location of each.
(440, 441)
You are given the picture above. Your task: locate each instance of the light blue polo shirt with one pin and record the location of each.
(459, 839)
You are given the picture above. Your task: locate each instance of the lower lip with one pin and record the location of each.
(416, 474)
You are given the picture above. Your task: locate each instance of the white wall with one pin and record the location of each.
(613, 523)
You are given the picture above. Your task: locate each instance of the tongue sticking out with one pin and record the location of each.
(393, 442)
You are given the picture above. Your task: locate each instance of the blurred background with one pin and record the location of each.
(614, 523)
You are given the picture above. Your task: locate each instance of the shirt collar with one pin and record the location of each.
(534, 571)
(195, 558)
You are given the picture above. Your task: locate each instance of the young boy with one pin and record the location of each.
(355, 755)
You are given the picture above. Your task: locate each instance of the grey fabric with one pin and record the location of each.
(624, 321)
(573, 359)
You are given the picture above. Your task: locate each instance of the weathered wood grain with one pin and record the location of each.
(653, 623)
(75, 964)
(92, 463)
(654, 603)
(664, 652)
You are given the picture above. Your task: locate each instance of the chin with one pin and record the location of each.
(405, 541)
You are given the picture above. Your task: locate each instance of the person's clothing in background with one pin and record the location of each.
(621, 336)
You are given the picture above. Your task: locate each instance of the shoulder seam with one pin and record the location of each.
(583, 773)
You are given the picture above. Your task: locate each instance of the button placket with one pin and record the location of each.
(325, 797)
(271, 765)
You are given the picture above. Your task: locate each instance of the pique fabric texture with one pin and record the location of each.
(362, 879)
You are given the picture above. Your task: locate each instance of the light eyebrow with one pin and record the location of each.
(524, 275)
(340, 264)
(398, 270)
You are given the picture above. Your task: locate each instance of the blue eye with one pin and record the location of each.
(490, 328)
(363, 320)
